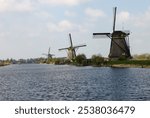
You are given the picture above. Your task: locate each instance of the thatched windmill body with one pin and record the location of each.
(71, 50)
(119, 41)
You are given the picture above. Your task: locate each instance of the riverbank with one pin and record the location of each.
(4, 64)
(118, 64)
(130, 63)
(99, 62)
(129, 66)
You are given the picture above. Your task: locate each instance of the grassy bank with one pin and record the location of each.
(115, 63)
(130, 63)
(81, 60)
(4, 64)
(99, 61)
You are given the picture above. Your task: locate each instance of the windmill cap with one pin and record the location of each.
(126, 32)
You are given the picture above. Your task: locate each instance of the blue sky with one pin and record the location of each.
(29, 27)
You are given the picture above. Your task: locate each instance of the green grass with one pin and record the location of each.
(132, 62)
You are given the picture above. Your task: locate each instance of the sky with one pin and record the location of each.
(29, 27)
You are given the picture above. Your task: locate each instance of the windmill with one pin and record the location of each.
(49, 55)
(119, 41)
(71, 49)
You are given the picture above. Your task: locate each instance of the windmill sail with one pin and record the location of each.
(101, 35)
(71, 54)
(63, 49)
(79, 46)
(71, 44)
(49, 55)
(114, 23)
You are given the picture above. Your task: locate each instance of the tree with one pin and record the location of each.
(97, 60)
(145, 56)
(81, 60)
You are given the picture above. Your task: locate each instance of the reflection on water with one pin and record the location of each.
(63, 82)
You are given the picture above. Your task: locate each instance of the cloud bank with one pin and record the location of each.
(63, 2)
(94, 14)
(15, 5)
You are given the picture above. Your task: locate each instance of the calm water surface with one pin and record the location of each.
(63, 82)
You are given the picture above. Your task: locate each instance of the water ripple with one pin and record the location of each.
(62, 82)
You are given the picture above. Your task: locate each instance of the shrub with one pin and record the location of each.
(97, 60)
(81, 59)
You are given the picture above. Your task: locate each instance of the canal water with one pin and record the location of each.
(39, 82)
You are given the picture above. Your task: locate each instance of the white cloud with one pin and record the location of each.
(63, 2)
(15, 5)
(142, 20)
(69, 13)
(65, 25)
(138, 20)
(94, 14)
(123, 16)
(3, 35)
(60, 27)
(27, 5)
(43, 14)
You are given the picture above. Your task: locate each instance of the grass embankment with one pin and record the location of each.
(1, 65)
(4, 64)
(99, 61)
(129, 63)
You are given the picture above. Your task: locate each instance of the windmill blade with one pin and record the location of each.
(79, 46)
(101, 35)
(49, 50)
(71, 44)
(63, 49)
(114, 23)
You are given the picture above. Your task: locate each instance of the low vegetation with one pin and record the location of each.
(129, 63)
(145, 56)
(5, 62)
(97, 60)
(142, 60)
(81, 60)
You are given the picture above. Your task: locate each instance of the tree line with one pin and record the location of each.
(82, 60)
